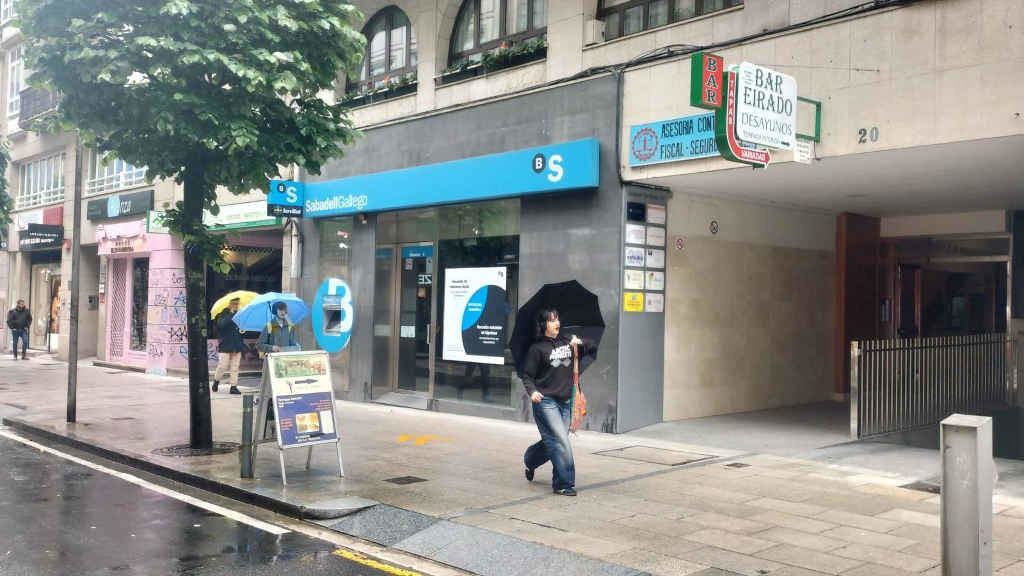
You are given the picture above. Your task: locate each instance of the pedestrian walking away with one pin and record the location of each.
(279, 334)
(230, 347)
(19, 320)
(547, 375)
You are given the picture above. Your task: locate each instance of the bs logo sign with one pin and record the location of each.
(333, 315)
(553, 166)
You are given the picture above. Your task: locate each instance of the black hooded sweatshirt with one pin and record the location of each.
(547, 367)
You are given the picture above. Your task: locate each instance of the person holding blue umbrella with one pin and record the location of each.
(279, 333)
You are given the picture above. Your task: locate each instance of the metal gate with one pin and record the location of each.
(118, 306)
(899, 385)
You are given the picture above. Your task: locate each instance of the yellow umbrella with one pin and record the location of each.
(244, 297)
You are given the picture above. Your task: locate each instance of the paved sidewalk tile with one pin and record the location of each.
(911, 517)
(717, 494)
(859, 520)
(853, 502)
(1014, 512)
(712, 520)
(877, 570)
(810, 559)
(795, 508)
(729, 541)
(731, 561)
(801, 539)
(894, 492)
(796, 571)
(1012, 570)
(869, 538)
(660, 525)
(656, 564)
(801, 523)
(885, 557)
(669, 545)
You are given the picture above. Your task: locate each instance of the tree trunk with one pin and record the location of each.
(200, 431)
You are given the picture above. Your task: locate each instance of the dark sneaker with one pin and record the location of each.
(234, 390)
(529, 475)
(216, 383)
(566, 492)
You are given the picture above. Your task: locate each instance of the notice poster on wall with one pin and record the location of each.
(634, 280)
(654, 302)
(303, 396)
(475, 312)
(655, 280)
(655, 258)
(635, 256)
(635, 234)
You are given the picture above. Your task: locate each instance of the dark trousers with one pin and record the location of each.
(23, 335)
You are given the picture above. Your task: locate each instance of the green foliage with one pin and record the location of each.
(206, 92)
(6, 202)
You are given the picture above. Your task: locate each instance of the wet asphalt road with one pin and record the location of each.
(61, 518)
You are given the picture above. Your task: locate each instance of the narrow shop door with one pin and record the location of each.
(415, 318)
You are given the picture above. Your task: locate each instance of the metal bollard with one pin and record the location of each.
(245, 453)
(967, 481)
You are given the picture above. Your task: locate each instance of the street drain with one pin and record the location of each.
(923, 487)
(651, 455)
(184, 450)
(403, 480)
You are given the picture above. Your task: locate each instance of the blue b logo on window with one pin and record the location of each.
(333, 315)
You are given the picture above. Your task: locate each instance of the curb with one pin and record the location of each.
(305, 512)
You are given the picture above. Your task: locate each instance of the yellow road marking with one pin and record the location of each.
(357, 557)
(423, 439)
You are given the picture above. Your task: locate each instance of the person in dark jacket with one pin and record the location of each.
(19, 320)
(230, 347)
(548, 379)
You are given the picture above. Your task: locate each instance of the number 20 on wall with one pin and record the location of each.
(553, 165)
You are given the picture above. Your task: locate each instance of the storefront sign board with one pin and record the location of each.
(632, 301)
(475, 313)
(766, 107)
(286, 198)
(655, 258)
(559, 167)
(706, 80)
(120, 205)
(673, 140)
(303, 397)
(654, 302)
(634, 256)
(230, 217)
(40, 236)
(634, 280)
(635, 234)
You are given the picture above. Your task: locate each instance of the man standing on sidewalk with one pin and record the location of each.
(230, 347)
(19, 320)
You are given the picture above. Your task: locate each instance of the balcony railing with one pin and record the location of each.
(40, 198)
(35, 102)
(126, 179)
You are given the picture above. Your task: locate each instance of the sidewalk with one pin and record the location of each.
(645, 505)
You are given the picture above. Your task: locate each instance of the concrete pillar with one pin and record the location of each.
(967, 481)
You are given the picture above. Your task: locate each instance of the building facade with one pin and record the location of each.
(753, 282)
(722, 288)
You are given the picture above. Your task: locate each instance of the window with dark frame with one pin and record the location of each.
(140, 303)
(625, 17)
(485, 25)
(391, 56)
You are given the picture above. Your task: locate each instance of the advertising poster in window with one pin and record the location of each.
(301, 386)
(475, 310)
(655, 258)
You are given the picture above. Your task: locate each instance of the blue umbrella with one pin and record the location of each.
(259, 312)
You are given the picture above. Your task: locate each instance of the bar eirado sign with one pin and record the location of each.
(766, 107)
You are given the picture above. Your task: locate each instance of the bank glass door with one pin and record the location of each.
(414, 320)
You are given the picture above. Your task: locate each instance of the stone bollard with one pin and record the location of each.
(245, 453)
(967, 481)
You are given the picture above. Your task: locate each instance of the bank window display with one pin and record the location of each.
(625, 17)
(477, 297)
(488, 25)
(140, 303)
(336, 262)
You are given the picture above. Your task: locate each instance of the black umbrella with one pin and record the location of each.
(578, 311)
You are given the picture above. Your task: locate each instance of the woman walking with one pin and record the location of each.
(547, 374)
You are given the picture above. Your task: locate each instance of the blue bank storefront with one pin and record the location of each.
(442, 226)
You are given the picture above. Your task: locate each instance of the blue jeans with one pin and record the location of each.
(552, 418)
(23, 335)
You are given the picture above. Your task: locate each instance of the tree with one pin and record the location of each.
(207, 92)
